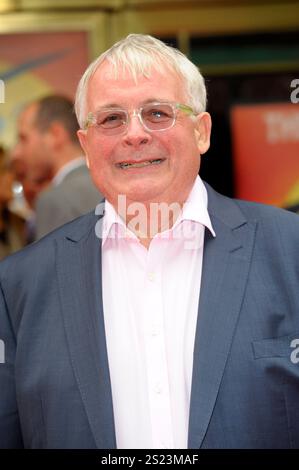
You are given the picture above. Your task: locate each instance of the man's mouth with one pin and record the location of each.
(124, 165)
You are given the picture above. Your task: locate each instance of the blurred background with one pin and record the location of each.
(248, 51)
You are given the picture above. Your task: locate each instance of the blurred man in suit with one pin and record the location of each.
(49, 149)
(133, 328)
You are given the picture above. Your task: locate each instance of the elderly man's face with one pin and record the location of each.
(178, 148)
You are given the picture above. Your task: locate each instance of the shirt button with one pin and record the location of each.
(151, 276)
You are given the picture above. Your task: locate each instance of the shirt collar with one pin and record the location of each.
(113, 224)
(195, 209)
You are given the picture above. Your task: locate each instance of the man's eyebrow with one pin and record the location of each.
(118, 106)
(109, 105)
(154, 100)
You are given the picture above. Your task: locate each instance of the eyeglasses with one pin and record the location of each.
(153, 116)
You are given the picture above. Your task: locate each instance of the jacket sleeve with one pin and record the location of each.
(10, 430)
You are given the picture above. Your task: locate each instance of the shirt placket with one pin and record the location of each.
(155, 350)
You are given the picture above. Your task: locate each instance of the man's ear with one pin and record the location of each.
(202, 132)
(56, 135)
(83, 142)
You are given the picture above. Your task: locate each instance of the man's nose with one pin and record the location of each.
(15, 153)
(136, 134)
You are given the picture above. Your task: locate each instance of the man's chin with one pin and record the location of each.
(143, 191)
(142, 196)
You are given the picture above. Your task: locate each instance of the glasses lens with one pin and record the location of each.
(111, 120)
(158, 116)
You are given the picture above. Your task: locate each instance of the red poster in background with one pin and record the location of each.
(266, 153)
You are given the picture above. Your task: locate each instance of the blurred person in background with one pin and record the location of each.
(27, 159)
(50, 164)
(11, 224)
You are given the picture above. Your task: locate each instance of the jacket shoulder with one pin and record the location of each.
(43, 250)
(276, 229)
(228, 208)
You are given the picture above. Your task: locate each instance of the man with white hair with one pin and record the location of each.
(168, 319)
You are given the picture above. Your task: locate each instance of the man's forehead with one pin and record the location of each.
(158, 85)
(29, 112)
(28, 115)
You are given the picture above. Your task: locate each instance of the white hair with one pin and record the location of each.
(139, 54)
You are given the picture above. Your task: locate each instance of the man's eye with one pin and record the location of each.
(112, 117)
(108, 120)
(157, 114)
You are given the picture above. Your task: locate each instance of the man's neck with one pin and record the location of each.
(67, 169)
(69, 154)
(147, 219)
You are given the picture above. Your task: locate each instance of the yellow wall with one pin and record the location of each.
(108, 20)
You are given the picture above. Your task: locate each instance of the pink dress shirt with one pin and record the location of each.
(150, 300)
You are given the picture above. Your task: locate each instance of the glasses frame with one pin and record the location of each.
(137, 112)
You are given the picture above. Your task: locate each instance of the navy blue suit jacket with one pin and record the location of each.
(55, 386)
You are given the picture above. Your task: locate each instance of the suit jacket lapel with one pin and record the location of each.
(226, 264)
(80, 284)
